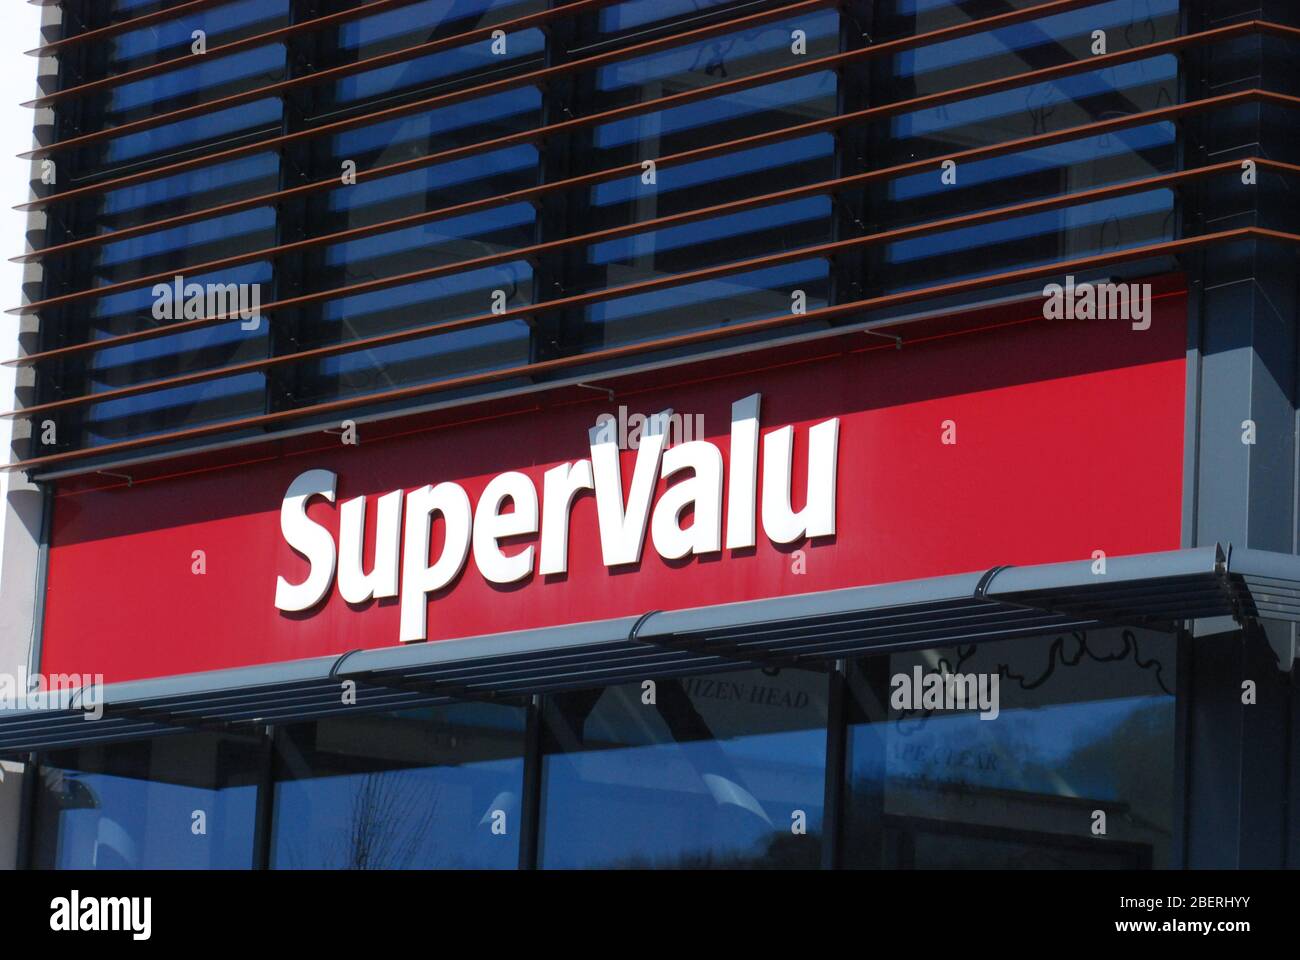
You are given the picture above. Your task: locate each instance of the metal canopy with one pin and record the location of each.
(1157, 591)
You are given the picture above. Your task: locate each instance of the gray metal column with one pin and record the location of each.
(1241, 482)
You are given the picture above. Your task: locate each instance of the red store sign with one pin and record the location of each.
(1023, 441)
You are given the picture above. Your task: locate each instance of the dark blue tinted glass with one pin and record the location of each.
(624, 16)
(388, 134)
(1126, 23)
(225, 342)
(713, 771)
(438, 356)
(263, 63)
(1075, 724)
(526, 45)
(177, 803)
(224, 177)
(422, 18)
(435, 788)
(183, 133)
(168, 35)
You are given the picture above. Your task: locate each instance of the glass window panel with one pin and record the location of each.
(157, 358)
(526, 45)
(1024, 103)
(438, 233)
(263, 63)
(179, 193)
(763, 47)
(708, 231)
(717, 772)
(169, 34)
(624, 16)
(134, 8)
(414, 22)
(798, 100)
(124, 312)
(197, 242)
(478, 115)
(130, 806)
(923, 16)
(158, 200)
(425, 360)
(1076, 231)
(430, 788)
(737, 298)
(175, 408)
(1084, 722)
(1037, 224)
(743, 163)
(464, 294)
(1036, 43)
(1028, 110)
(1019, 167)
(163, 356)
(221, 123)
(430, 188)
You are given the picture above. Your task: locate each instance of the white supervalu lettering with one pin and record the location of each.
(817, 519)
(419, 579)
(560, 485)
(622, 522)
(492, 525)
(308, 538)
(622, 525)
(355, 585)
(703, 491)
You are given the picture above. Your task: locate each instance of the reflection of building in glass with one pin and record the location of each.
(1086, 724)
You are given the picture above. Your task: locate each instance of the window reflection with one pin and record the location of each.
(524, 48)
(159, 40)
(1059, 38)
(1085, 723)
(431, 788)
(176, 803)
(722, 770)
(710, 771)
(414, 23)
(183, 133)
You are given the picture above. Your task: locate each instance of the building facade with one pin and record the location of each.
(658, 433)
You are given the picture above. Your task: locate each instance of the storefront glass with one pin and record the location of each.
(1061, 755)
(434, 787)
(721, 770)
(1071, 766)
(178, 802)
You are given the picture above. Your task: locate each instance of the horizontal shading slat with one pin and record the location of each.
(544, 75)
(1171, 112)
(839, 311)
(247, 43)
(881, 49)
(135, 23)
(1169, 180)
(884, 110)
